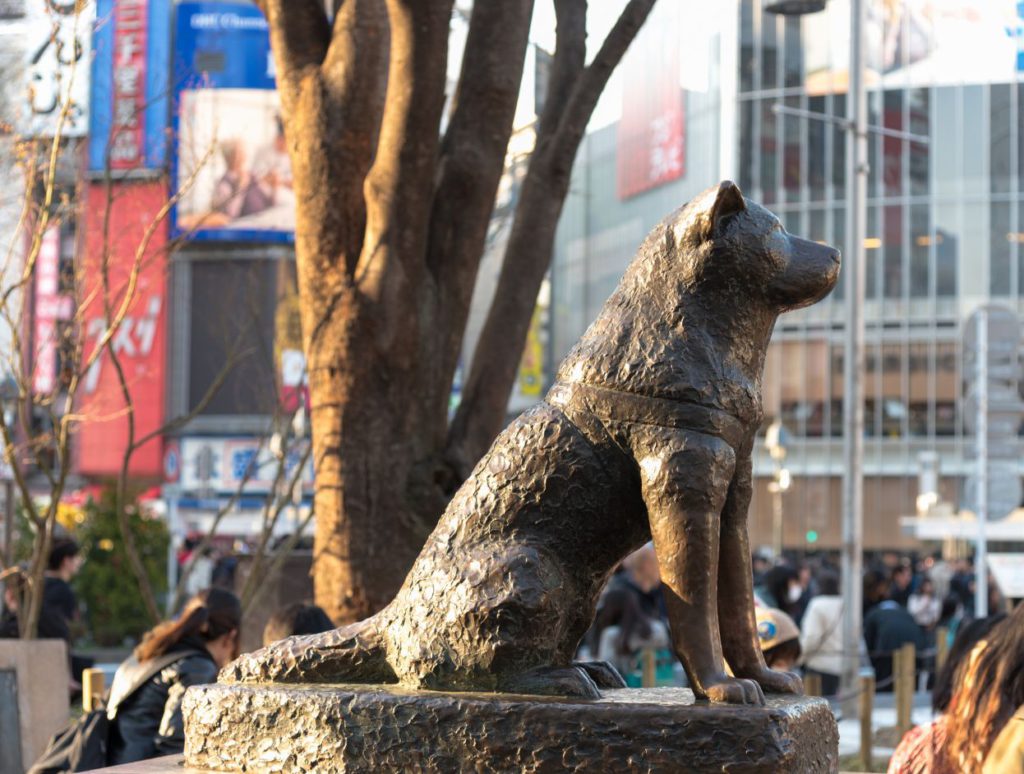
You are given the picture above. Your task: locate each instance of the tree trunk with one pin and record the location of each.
(391, 223)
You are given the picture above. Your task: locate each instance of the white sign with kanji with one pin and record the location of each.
(59, 45)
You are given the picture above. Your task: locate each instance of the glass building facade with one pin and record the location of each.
(944, 233)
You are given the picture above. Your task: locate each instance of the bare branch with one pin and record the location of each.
(272, 513)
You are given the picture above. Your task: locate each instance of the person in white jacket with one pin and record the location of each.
(924, 605)
(821, 636)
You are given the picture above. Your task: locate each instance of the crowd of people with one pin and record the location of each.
(977, 695)
(800, 612)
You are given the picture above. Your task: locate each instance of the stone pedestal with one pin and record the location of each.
(383, 728)
(34, 679)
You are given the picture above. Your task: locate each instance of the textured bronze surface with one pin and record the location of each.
(328, 729)
(648, 432)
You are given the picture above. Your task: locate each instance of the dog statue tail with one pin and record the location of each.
(349, 654)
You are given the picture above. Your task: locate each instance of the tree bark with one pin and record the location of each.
(575, 91)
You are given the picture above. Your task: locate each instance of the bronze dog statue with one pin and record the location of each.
(647, 433)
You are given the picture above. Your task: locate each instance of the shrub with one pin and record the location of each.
(115, 612)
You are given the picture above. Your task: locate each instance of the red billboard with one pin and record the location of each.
(651, 138)
(131, 26)
(51, 307)
(139, 342)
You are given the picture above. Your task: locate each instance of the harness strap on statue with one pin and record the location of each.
(618, 406)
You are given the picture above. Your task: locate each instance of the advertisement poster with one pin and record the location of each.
(140, 341)
(130, 73)
(50, 308)
(230, 162)
(918, 43)
(59, 37)
(651, 136)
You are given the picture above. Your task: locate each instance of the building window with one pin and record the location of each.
(1000, 249)
(232, 319)
(999, 138)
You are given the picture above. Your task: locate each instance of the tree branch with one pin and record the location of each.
(400, 182)
(594, 78)
(469, 170)
(528, 254)
(569, 59)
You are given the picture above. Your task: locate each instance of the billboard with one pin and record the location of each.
(651, 136)
(130, 85)
(230, 163)
(140, 341)
(12, 9)
(212, 465)
(917, 43)
(51, 307)
(59, 38)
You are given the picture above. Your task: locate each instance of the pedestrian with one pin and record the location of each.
(821, 636)
(989, 692)
(59, 614)
(901, 586)
(779, 638)
(887, 628)
(780, 588)
(295, 619)
(60, 605)
(14, 586)
(630, 613)
(760, 564)
(923, 748)
(924, 605)
(146, 720)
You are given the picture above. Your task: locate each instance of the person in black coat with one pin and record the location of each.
(13, 585)
(146, 722)
(887, 628)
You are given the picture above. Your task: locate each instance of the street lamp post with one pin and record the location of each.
(853, 363)
(775, 439)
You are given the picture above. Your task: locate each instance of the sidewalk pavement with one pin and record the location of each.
(883, 716)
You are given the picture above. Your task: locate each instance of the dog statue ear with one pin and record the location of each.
(728, 202)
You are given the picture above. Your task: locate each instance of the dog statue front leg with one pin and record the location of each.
(685, 478)
(740, 642)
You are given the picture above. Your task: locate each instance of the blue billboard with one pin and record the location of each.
(230, 165)
(130, 80)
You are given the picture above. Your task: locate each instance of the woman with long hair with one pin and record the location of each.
(145, 698)
(989, 690)
(923, 749)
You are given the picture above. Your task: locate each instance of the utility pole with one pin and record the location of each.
(853, 362)
(981, 555)
(854, 271)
